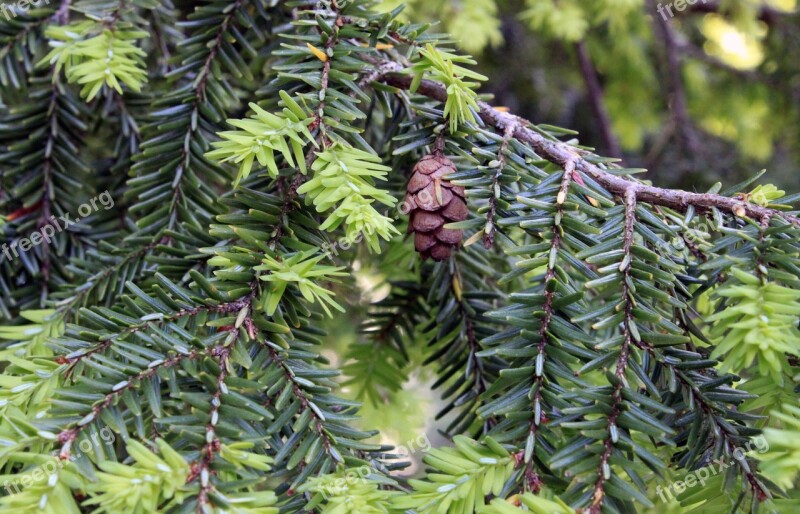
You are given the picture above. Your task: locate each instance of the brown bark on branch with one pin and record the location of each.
(561, 153)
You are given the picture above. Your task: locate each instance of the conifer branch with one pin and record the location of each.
(604, 470)
(488, 235)
(721, 433)
(305, 402)
(68, 435)
(45, 208)
(200, 84)
(474, 365)
(212, 446)
(560, 153)
(109, 340)
(326, 58)
(202, 77)
(533, 482)
(66, 306)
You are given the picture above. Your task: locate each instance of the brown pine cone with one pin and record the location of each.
(433, 202)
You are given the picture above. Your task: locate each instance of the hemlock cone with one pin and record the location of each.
(433, 202)
(168, 354)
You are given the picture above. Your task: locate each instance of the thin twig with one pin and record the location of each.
(539, 415)
(491, 228)
(604, 469)
(213, 445)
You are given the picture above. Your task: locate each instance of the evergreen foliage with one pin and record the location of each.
(593, 338)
